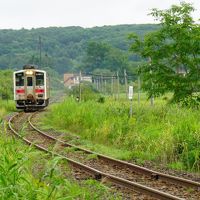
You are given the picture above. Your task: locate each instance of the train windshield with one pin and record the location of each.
(19, 78)
(39, 78)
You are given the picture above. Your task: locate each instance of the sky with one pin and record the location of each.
(17, 14)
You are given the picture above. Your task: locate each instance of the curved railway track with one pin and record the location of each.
(124, 174)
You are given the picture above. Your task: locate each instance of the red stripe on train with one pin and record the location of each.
(20, 91)
(39, 91)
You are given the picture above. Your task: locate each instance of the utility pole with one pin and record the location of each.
(40, 50)
(101, 83)
(130, 96)
(80, 86)
(125, 81)
(117, 85)
(46, 60)
(152, 97)
(98, 83)
(139, 86)
(112, 85)
(105, 85)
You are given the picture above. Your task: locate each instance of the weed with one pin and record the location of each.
(92, 157)
(164, 133)
(24, 176)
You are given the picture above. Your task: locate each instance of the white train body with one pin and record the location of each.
(31, 88)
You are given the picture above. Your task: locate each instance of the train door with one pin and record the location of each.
(30, 88)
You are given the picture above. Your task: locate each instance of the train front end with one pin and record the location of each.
(31, 88)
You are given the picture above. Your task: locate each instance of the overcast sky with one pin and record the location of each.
(17, 14)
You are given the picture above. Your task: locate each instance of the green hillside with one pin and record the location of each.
(63, 49)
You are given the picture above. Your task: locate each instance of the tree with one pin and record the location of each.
(96, 55)
(6, 84)
(103, 56)
(172, 54)
(116, 60)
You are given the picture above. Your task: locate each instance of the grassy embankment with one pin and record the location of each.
(24, 176)
(6, 107)
(165, 134)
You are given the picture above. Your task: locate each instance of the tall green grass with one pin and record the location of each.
(164, 133)
(27, 174)
(6, 107)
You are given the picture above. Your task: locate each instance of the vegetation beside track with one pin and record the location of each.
(26, 173)
(24, 176)
(167, 134)
(6, 106)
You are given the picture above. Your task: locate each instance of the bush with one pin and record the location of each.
(101, 100)
(88, 92)
(192, 101)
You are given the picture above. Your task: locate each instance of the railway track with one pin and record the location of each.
(124, 174)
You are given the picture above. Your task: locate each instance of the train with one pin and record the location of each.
(31, 88)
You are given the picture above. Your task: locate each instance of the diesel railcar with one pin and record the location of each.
(31, 88)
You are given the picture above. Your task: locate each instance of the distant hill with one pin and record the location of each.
(63, 49)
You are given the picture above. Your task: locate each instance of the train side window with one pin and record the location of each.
(29, 81)
(19, 79)
(39, 78)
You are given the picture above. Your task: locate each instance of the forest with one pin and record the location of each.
(65, 49)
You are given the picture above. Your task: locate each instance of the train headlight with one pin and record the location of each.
(29, 72)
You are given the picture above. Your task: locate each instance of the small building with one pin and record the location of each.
(71, 79)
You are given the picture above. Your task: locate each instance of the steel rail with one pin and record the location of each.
(135, 168)
(98, 174)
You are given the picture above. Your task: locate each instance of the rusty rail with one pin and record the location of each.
(113, 179)
(135, 168)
